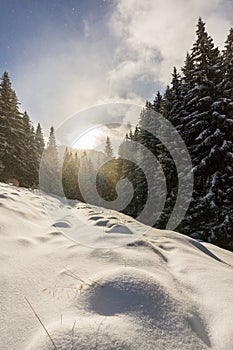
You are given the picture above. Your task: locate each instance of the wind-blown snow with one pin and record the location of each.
(161, 291)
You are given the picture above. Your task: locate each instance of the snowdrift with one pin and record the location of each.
(160, 291)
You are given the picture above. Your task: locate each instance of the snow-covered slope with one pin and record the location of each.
(161, 291)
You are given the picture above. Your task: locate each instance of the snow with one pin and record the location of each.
(160, 290)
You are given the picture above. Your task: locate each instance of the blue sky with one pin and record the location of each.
(67, 55)
(25, 21)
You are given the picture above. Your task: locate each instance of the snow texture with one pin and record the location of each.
(162, 291)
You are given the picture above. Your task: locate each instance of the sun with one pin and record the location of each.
(88, 140)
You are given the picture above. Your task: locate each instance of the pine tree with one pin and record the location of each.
(203, 130)
(128, 153)
(189, 98)
(50, 176)
(170, 106)
(149, 124)
(199, 104)
(107, 178)
(29, 166)
(167, 102)
(176, 91)
(39, 142)
(158, 102)
(70, 172)
(39, 145)
(3, 144)
(108, 148)
(66, 173)
(11, 131)
(87, 180)
(220, 194)
(228, 66)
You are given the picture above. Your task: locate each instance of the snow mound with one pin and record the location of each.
(163, 291)
(147, 302)
(119, 229)
(85, 334)
(130, 309)
(90, 225)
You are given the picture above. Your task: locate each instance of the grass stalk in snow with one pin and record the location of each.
(75, 276)
(37, 316)
(73, 334)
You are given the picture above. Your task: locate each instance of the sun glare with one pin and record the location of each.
(88, 140)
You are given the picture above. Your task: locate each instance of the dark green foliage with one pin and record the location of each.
(39, 143)
(70, 170)
(199, 104)
(204, 130)
(108, 148)
(158, 103)
(130, 170)
(28, 165)
(50, 175)
(86, 179)
(11, 131)
(20, 148)
(107, 178)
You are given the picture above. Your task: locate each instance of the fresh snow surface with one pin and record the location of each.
(161, 291)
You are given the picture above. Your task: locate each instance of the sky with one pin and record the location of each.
(64, 56)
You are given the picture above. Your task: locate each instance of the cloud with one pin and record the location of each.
(122, 57)
(154, 36)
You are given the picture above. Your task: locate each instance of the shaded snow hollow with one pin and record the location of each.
(163, 291)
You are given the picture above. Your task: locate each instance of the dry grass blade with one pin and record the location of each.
(73, 334)
(73, 275)
(73, 326)
(37, 316)
(95, 282)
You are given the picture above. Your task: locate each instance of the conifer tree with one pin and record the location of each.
(167, 102)
(148, 125)
(39, 145)
(130, 170)
(220, 194)
(203, 130)
(228, 66)
(50, 176)
(86, 179)
(108, 148)
(29, 166)
(11, 131)
(39, 141)
(66, 172)
(3, 143)
(158, 102)
(199, 104)
(70, 172)
(174, 115)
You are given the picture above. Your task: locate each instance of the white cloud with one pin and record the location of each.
(145, 40)
(154, 35)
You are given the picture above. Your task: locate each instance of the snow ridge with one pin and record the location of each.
(160, 291)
